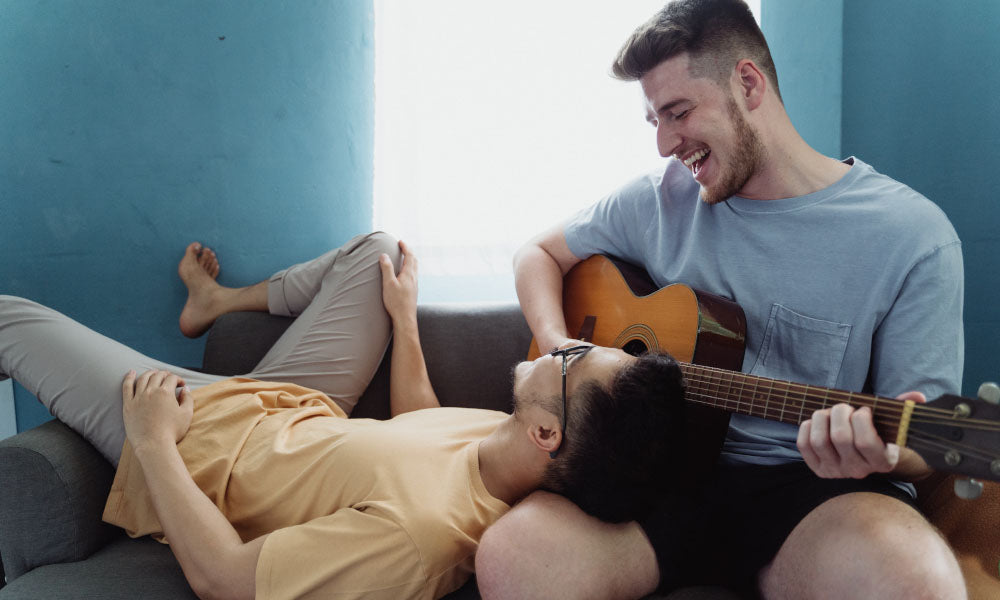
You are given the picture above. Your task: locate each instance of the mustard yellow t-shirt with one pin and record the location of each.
(353, 507)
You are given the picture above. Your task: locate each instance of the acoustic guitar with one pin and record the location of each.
(610, 303)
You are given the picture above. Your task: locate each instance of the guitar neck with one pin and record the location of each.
(783, 401)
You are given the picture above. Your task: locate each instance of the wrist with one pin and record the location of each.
(151, 447)
(405, 325)
(551, 341)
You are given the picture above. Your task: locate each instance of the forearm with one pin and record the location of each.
(214, 559)
(409, 384)
(538, 281)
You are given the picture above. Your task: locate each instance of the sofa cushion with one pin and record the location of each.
(122, 570)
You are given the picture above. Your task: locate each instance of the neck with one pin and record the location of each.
(510, 470)
(790, 167)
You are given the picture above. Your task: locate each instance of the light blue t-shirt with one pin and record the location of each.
(857, 287)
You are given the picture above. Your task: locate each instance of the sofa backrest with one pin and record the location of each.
(469, 349)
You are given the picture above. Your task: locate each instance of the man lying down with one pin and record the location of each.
(261, 485)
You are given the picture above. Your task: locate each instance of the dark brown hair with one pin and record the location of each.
(621, 445)
(716, 34)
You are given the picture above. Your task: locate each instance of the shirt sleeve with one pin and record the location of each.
(617, 224)
(350, 554)
(920, 344)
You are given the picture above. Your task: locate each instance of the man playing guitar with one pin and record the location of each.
(848, 279)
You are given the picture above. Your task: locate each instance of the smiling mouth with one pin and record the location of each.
(697, 159)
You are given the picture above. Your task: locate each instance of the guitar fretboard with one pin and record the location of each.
(779, 400)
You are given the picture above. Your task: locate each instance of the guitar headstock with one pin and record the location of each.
(960, 435)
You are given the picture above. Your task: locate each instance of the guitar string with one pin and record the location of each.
(828, 396)
(922, 439)
(884, 415)
(890, 405)
(944, 444)
(918, 440)
(705, 374)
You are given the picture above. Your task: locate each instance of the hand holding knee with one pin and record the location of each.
(399, 291)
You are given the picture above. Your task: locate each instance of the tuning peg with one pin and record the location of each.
(968, 489)
(989, 392)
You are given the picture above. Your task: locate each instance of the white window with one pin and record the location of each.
(495, 121)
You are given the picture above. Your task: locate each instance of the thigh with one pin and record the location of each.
(74, 371)
(338, 340)
(546, 547)
(727, 532)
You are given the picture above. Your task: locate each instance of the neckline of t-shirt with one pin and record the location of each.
(783, 205)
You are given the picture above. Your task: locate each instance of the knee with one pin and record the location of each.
(11, 300)
(920, 555)
(14, 306)
(855, 546)
(380, 242)
(546, 547)
(506, 556)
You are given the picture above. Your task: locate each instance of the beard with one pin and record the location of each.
(748, 153)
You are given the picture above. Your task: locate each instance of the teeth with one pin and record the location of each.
(695, 157)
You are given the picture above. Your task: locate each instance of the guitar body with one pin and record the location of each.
(614, 304)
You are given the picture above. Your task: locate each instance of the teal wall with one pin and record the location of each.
(806, 44)
(917, 100)
(129, 128)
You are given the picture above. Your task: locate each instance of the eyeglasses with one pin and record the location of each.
(566, 353)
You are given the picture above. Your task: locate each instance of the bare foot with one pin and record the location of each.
(198, 270)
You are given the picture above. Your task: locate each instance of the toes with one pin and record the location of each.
(209, 262)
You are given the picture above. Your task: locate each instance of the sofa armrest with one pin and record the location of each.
(54, 486)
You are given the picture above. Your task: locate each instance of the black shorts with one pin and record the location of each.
(727, 531)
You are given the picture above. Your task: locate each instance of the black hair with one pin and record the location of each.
(622, 444)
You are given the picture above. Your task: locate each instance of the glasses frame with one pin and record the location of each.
(566, 353)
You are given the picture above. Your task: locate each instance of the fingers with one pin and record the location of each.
(149, 381)
(186, 399)
(408, 258)
(842, 442)
(388, 272)
(407, 270)
(869, 445)
(917, 397)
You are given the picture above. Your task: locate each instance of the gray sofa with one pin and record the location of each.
(53, 484)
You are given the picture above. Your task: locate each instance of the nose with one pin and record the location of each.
(667, 138)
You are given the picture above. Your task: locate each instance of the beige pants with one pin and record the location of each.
(336, 343)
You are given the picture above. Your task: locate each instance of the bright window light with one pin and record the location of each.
(495, 121)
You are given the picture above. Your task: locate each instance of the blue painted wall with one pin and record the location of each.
(807, 48)
(128, 129)
(918, 101)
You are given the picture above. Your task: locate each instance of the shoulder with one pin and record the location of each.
(895, 205)
(641, 198)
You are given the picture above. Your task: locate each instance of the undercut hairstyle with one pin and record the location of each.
(716, 34)
(622, 444)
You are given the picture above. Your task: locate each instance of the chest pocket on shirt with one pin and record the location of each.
(801, 348)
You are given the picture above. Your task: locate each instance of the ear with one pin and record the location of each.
(546, 434)
(751, 83)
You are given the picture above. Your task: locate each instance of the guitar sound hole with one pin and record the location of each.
(634, 347)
